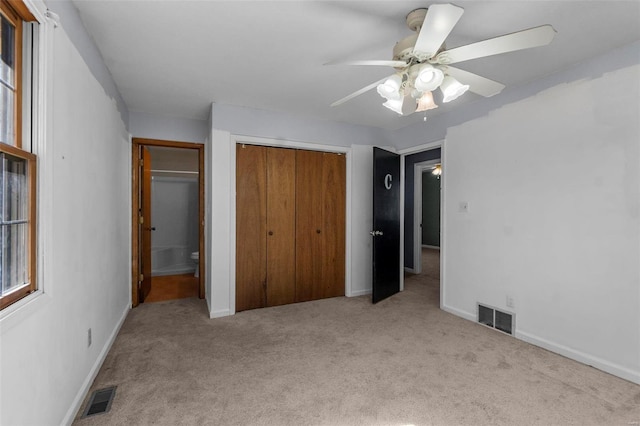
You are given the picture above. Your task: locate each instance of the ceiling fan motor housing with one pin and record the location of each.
(415, 18)
(403, 50)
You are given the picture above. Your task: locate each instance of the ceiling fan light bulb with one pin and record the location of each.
(452, 89)
(426, 102)
(428, 78)
(390, 89)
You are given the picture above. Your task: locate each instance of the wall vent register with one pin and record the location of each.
(494, 318)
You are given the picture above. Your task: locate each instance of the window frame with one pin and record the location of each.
(31, 174)
(12, 16)
(17, 13)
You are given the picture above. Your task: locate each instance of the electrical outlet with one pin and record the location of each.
(89, 337)
(510, 302)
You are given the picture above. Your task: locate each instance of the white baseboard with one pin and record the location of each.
(459, 313)
(359, 293)
(431, 247)
(220, 314)
(86, 385)
(208, 303)
(409, 270)
(600, 364)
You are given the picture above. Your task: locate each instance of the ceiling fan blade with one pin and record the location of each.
(394, 64)
(533, 37)
(359, 92)
(477, 84)
(440, 20)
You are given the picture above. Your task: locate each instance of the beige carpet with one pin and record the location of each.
(344, 361)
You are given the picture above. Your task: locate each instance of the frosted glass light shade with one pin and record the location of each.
(390, 89)
(409, 105)
(452, 89)
(406, 105)
(426, 102)
(428, 78)
(394, 105)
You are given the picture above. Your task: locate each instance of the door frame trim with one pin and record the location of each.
(136, 143)
(279, 143)
(418, 170)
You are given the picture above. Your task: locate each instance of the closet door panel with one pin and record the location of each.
(309, 226)
(333, 188)
(251, 222)
(281, 226)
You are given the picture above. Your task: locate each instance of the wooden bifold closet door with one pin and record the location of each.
(290, 226)
(281, 226)
(265, 227)
(320, 224)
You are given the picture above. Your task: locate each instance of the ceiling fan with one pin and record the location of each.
(423, 64)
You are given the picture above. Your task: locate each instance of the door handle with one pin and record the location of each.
(153, 228)
(376, 233)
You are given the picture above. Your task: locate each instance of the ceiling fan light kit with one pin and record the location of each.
(394, 105)
(428, 78)
(423, 63)
(425, 102)
(391, 88)
(452, 89)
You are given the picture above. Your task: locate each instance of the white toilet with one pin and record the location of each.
(195, 256)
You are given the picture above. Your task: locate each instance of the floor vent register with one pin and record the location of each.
(100, 401)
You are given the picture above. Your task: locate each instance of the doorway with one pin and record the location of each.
(426, 217)
(414, 162)
(168, 220)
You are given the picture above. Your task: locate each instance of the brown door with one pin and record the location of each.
(281, 226)
(320, 225)
(308, 226)
(251, 227)
(145, 225)
(265, 227)
(290, 226)
(333, 217)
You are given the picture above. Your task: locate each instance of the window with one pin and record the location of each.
(17, 165)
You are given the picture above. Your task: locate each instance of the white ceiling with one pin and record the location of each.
(176, 57)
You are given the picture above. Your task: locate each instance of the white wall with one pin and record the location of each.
(362, 211)
(284, 130)
(86, 47)
(227, 122)
(208, 223)
(277, 125)
(220, 295)
(552, 184)
(163, 127)
(45, 363)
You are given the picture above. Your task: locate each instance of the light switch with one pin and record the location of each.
(463, 207)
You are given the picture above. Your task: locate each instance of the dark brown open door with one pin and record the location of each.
(145, 225)
(386, 224)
